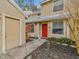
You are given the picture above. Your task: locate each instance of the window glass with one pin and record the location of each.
(32, 27)
(57, 28)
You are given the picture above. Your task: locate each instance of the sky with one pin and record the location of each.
(37, 2)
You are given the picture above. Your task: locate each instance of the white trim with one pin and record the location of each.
(45, 1)
(22, 32)
(7, 15)
(3, 34)
(65, 29)
(14, 4)
(68, 32)
(59, 2)
(39, 30)
(52, 7)
(20, 42)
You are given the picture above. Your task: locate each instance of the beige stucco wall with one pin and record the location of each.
(37, 29)
(36, 32)
(47, 8)
(7, 8)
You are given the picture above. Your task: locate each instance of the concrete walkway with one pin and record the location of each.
(22, 51)
(30, 47)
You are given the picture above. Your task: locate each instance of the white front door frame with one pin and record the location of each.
(22, 31)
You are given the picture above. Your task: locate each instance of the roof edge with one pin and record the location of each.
(48, 18)
(45, 1)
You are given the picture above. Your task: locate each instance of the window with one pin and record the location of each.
(57, 28)
(32, 27)
(58, 5)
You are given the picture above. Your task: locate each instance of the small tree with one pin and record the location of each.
(72, 17)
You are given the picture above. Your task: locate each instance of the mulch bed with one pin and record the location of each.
(55, 51)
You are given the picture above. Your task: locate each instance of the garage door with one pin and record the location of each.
(12, 32)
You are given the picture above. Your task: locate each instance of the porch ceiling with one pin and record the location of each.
(47, 18)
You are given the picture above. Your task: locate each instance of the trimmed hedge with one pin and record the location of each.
(61, 40)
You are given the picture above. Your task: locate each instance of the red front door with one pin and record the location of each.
(44, 30)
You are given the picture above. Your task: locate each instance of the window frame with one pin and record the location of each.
(58, 3)
(62, 27)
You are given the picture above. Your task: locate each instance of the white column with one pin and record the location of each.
(65, 29)
(3, 34)
(20, 42)
(22, 32)
(39, 31)
(68, 32)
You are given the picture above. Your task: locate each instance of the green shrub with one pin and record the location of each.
(61, 40)
(67, 41)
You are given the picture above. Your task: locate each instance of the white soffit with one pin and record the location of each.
(47, 18)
